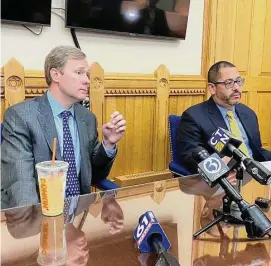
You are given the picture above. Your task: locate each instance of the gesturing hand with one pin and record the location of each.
(113, 130)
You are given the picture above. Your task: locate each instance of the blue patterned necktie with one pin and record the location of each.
(72, 183)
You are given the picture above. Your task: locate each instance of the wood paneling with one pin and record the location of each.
(225, 29)
(258, 18)
(266, 62)
(137, 143)
(242, 34)
(14, 82)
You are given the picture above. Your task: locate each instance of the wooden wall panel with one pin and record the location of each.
(225, 29)
(178, 104)
(135, 149)
(242, 34)
(244, 98)
(14, 82)
(259, 15)
(266, 61)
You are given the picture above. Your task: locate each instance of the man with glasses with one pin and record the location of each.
(223, 109)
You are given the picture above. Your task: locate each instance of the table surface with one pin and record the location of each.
(99, 231)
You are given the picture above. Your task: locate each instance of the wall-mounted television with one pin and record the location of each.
(159, 18)
(26, 11)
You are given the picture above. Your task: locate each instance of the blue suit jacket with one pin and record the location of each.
(201, 120)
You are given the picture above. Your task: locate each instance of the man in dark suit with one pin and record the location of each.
(30, 127)
(223, 109)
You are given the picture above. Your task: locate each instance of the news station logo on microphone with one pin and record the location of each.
(148, 226)
(221, 138)
(212, 169)
(212, 165)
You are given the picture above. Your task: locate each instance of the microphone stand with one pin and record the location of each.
(230, 212)
(164, 258)
(256, 222)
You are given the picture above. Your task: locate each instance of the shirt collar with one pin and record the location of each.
(57, 108)
(224, 110)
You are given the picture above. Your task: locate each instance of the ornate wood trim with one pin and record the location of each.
(188, 91)
(130, 91)
(121, 84)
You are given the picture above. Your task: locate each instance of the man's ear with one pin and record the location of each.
(55, 74)
(211, 88)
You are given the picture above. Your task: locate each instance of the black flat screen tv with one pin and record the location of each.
(159, 18)
(36, 12)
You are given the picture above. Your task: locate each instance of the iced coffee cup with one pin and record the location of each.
(52, 184)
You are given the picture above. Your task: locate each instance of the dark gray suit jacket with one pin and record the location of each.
(28, 133)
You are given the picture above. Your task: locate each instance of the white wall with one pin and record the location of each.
(114, 53)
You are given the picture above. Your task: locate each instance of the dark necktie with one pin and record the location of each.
(72, 183)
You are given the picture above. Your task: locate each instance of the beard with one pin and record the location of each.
(230, 100)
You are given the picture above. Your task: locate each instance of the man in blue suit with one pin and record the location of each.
(201, 120)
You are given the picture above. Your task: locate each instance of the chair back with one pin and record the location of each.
(174, 124)
(175, 166)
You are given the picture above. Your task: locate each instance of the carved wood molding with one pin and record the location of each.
(32, 92)
(129, 91)
(121, 84)
(138, 84)
(188, 91)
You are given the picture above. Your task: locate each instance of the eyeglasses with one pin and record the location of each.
(229, 83)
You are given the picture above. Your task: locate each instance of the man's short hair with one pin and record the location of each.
(58, 57)
(213, 73)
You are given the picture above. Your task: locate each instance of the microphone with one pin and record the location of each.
(225, 143)
(150, 237)
(214, 171)
(254, 168)
(220, 140)
(210, 167)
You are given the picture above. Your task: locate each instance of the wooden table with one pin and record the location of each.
(101, 231)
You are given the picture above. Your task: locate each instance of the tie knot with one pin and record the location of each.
(66, 114)
(230, 114)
